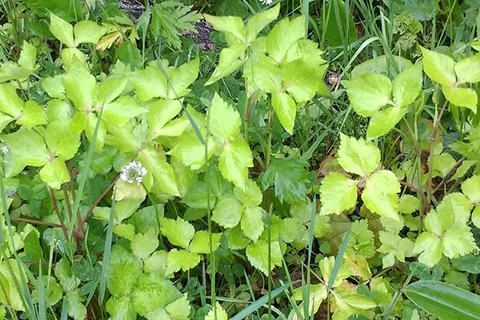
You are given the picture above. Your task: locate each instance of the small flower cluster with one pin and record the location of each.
(266, 2)
(133, 172)
(4, 150)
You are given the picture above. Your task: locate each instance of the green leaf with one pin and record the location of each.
(251, 196)
(286, 109)
(471, 188)
(179, 232)
(337, 193)
(287, 175)
(408, 204)
(60, 139)
(121, 308)
(123, 271)
(384, 121)
(302, 80)
(443, 164)
(161, 112)
(28, 56)
(217, 313)
(143, 244)
(283, 36)
(252, 223)
(190, 150)
(358, 156)
(461, 97)
(110, 89)
(32, 115)
(80, 86)
(476, 217)
(236, 238)
(55, 173)
(394, 247)
(181, 78)
(153, 292)
(54, 86)
(10, 102)
(27, 147)
(66, 276)
(149, 83)
(257, 254)
(229, 24)
(230, 61)
(199, 197)
(164, 176)
(157, 263)
(264, 74)
(381, 194)
(349, 304)
(468, 69)
(179, 309)
(224, 121)
(70, 55)
(369, 93)
(439, 67)
(181, 259)
(444, 300)
(88, 32)
(227, 212)
(407, 85)
(260, 20)
(76, 309)
(62, 30)
(122, 110)
(201, 242)
(234, 161)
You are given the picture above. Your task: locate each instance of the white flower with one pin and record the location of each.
(4, 150)
(266, 2)
(133, 172)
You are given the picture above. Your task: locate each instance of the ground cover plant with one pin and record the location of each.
(239, 159)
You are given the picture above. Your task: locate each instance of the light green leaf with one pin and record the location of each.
(27, 147)
(55, 173)
(88, 32)
(236, 238)
(468, 69)
(149, 83)
(54, 86)
(76, 309)
(227, 212)
(381, 194)
(461, 97)
(153, 292)
(264, 74)
(65, 275)
(60, 139)
(337, 193)
(121, 308)
(407, 85)
(439, 67)
(229, 24)
(230, 61)
(358, 156)
(201, 242)
(286, 109)
(349, 304)
(28, 56)
(251, 196)
(443, 164)
(129, 191)
(179, 309)
(217, 313)
(110, 89)
(181, 78)
(384, 120)
(224, 121)
(181, 259)
(252, 223)
(144, 244)
(161, 112)
(283, 36)
(123, 271)
(62, 30)
(164, 176)
(32, 115)
(476, 216)
(69, 55)
(394, 247)
(369, 93)
(234, 161)
(80, 86)
(157, 263)
(190, 150)
(260, 20)
(123, 230)
(471, 188)
(408, 204)
(122, 110)
(257, 254)
(302, 80)
(179, 232)
(199, 197)
(10, 102)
